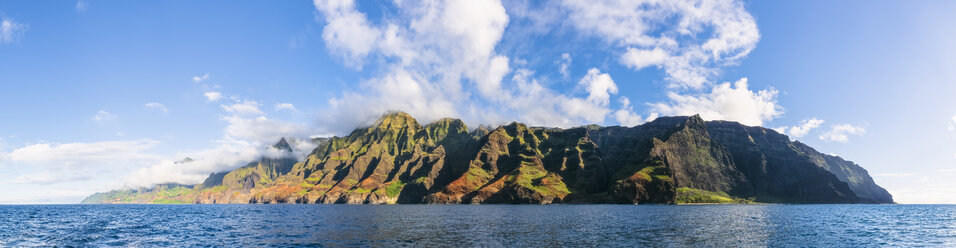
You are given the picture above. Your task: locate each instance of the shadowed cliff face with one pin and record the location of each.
(669, 160)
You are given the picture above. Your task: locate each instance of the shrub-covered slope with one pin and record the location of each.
(669, 160)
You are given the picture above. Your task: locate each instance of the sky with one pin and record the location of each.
(100, 95)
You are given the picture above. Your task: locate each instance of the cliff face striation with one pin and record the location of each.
(666, 161)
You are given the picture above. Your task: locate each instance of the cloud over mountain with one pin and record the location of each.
(441, 58)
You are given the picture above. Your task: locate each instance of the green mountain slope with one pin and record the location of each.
(666, 161)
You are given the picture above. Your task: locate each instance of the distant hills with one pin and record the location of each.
(669, 160)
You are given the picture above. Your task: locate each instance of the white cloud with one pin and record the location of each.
(157, 106)
(626, 116)
(262, 129)
(68, 154)
(599, 85)
(726, 101)
(10, 30)
(840, 133)
(286, 106)
(81, 5)
(440, 61)
(103, 116)
(802, 129)
(952, 124)
(433, 48)
(638, 58)
(245, 139)
(537, 105)
(49, 178)
(227, 155)
(200, 79)
(347, 31)
(564, 63)
(689, 39)
(213, 96)
(243, 108)
(399, 90)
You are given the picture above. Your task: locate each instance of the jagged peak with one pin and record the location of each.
(592, 127)
(450, 123)
(515, 126)
(283, 145)
(695, 122)
(438, 130)
(184, 160)
(512, 129)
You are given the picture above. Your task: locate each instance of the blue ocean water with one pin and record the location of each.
(477, 225)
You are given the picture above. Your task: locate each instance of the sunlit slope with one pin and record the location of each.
(666, 161)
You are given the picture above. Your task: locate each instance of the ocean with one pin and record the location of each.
(477, 225)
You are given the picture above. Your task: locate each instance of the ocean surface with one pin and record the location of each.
(477, 225)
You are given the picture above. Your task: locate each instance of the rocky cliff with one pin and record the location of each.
(669, 160)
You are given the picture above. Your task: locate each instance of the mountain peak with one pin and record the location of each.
(283, 145)
(185, 160)
(395, 115)
(395, 119)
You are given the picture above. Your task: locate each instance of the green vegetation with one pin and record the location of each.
(169, 201)
(394, 188)
(475, 173)
(539, 180)
(306, 185)
(687, 195)
(217, 189)
(655, 172)
(518, 164)
(420, 180)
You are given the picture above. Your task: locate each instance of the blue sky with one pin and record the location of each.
(97, 95)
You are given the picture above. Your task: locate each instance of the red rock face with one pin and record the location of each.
(398, 160)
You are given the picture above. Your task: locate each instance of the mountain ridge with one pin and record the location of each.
(681, 159)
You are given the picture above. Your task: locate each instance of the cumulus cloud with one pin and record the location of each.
(261, 128)
(435, 46)
(213, 96)
(227, 154)
(248, 136)
(245, 107)
(440, 61)
(840, 133)
(536, 104)
(689, 39)
(286, 106)
(639, 58)
(245, 140)
(726, 101)
(157, 106)
(10, 30)
(801, 129)
(599, 85)
(446, 52)
(626, 116)
(103, 116)
(201, 78)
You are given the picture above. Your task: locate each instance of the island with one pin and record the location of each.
(670, 160)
